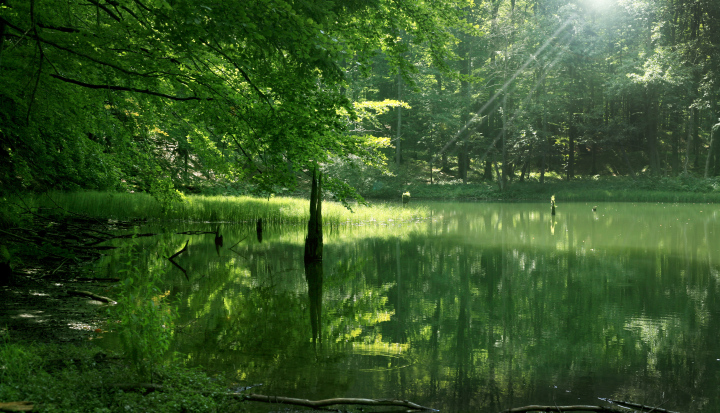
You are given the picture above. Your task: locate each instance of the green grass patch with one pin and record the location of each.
(276, 210)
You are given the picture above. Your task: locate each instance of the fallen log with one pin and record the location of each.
(332, 402)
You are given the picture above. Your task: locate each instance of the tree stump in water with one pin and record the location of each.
(314, 239)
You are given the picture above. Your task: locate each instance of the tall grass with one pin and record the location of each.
(276, 210)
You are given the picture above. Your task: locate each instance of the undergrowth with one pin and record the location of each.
(68, 378)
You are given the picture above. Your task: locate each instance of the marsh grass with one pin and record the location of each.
(235, 209)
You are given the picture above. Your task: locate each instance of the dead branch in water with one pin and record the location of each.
(330, 402)
(178, 265)
(555, 408)
(639, 406)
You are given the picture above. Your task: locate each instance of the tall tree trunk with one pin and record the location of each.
(688, 142)
(398, 147)
(314, 239)
(503, 176)
(651, 128)
(487, 172)
(572, 137)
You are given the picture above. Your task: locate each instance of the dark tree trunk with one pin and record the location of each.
(314, 239)
(487, 172)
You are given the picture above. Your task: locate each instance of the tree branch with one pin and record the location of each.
(126, 89)
(106, 10)
(242, 72)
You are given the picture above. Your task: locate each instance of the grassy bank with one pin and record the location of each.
(68, 378)
(679, 189)
(276, 210)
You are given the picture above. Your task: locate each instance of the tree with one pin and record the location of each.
(249, 90)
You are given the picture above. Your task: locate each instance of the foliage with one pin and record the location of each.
(149, 96)
(143, 318)
(67, 378)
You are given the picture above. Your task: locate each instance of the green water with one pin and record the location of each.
(481, 308)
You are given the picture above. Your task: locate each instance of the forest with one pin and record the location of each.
(157, 158)
(180, 96)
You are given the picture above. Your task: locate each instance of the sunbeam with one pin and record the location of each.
(505, 86)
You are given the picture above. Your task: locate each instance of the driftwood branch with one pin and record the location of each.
(92, 295)
(332, 402)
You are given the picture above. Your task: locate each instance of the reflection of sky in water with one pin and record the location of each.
(482, 307)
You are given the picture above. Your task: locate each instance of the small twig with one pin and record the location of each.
(58, 267)
(238, 242)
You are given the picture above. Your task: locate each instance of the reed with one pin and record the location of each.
(276, 210)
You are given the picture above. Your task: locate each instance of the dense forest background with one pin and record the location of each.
(156, 95)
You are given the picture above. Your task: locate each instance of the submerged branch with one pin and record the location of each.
(331, 402)
(555, 408)
(92, 295)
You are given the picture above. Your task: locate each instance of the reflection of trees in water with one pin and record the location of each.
(486, 321)
(314, 277)
(502, 318)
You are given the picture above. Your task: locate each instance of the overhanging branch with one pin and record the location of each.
(126, 89)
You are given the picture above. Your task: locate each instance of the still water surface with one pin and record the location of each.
(480, 308)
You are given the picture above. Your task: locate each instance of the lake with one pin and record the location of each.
(483, 307)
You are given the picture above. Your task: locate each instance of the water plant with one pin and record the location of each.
(143, 317)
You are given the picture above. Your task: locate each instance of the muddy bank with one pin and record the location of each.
(48, 309)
